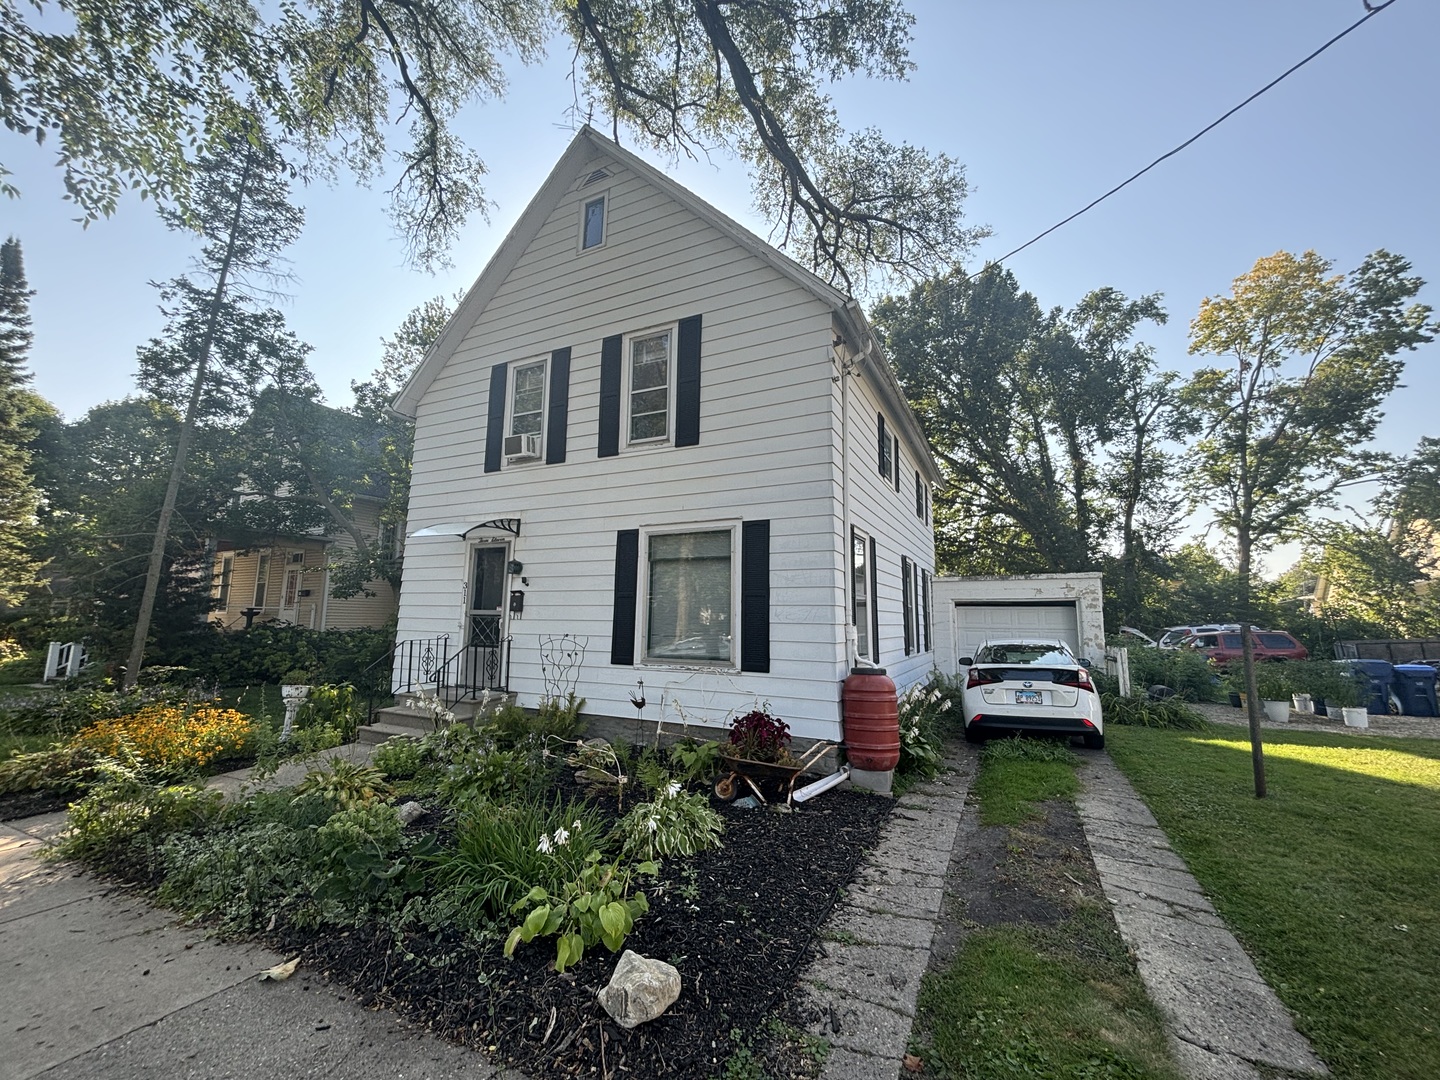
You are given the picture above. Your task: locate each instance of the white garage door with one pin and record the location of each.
(975, 623)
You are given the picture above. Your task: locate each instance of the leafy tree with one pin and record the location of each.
(1311, 358)
(20, 411)
(216, 350)
(128, 86)
(1371, 574)
(1020, 406)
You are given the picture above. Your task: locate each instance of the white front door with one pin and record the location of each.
(290, 595)
(485, 618)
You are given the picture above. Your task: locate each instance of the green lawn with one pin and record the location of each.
(1030, 999)
(1332, 882)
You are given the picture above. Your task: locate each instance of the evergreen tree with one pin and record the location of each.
(19, 411)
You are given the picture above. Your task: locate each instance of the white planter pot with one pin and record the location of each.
(1277, 712)
(1356, 717)
(1334, 712)
(1303, 703)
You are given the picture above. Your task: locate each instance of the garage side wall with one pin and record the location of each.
(969, 609)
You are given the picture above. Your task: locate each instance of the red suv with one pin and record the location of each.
(1222, 649)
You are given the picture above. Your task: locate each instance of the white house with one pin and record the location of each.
(646, 428)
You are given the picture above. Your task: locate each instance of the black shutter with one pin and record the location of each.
(883, 463)
(610, 397)
(627, 566)
(559, 406)
(874, 606)
(687, 383)
(897, 462)
(925, 607)
(495, 422)
(919, 496)
(755, 596)
(907, 603)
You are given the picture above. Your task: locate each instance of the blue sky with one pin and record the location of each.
(1048, 103)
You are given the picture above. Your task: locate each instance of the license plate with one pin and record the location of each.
(1028, 697)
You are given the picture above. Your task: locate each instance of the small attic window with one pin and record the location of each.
(592, 223)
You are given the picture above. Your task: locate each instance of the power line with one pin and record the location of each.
(1371, 10)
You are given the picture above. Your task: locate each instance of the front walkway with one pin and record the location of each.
(1222, 1016)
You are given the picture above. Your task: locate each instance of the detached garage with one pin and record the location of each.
(968, 610)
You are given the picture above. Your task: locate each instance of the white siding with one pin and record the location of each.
(877, 509)
(766, 451)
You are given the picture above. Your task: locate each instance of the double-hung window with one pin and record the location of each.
(262, 578)
(649, 386)
(527, 401)
(227, 571)
(690, 596)
(862, 594)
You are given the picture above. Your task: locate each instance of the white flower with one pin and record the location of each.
(653, 823)
(576, 825)
(544, 847)
(946, 706)
(672, 789)
(562, 836)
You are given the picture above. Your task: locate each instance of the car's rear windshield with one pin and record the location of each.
(1022, 653)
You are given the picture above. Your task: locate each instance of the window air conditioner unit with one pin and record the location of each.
(522, 447)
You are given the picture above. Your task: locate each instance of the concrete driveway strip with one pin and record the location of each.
(876, 945)
(1223, 1018)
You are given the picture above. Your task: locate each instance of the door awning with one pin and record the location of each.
(463, 529)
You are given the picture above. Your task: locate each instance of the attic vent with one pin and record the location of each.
(595, 177)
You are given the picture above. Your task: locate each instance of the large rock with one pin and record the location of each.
(640, 990)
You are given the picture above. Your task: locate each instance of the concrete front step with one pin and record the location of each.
(411, 722)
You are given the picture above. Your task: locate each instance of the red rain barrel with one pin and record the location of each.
(872, 720)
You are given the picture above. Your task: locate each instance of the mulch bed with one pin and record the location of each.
(23, 804)
(738, 923)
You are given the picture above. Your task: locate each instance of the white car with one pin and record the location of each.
(1036, 686)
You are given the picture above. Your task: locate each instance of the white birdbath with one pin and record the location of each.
(293, 696)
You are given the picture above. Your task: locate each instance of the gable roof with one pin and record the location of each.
(580, 157)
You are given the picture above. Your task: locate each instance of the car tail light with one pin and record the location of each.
(1078, 678)
(981, 675)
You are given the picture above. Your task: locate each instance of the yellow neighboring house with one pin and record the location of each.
(287, 581)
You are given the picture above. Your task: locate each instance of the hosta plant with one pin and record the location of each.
(344, 784)
(597, 906)
(674, 823)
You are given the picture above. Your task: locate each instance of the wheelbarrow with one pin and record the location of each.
(753, 773)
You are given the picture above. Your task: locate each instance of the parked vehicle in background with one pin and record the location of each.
(1223, 649)
(1174, 636)
(1141, 637)
(1035, 686)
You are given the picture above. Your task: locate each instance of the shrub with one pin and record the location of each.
(501, 851)
(1186, 672)
(485, 773)
(121, 825)
(1144, 711)
(694, 762)
(264, 653)
(60, 771)
(171, 739)
(674, 823)
(400, 758)
(330, 706)
(63, 710)
(513, 726)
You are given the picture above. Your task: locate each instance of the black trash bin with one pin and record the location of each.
(1415, 685)
(1375, 678)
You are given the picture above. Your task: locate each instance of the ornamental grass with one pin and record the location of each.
(172, 737)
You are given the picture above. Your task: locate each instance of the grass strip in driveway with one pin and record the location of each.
(1332, 882)
(1037, 982)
